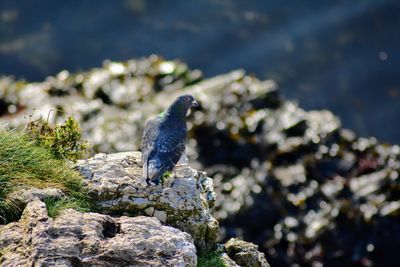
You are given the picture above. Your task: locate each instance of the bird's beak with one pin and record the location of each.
(195, 104)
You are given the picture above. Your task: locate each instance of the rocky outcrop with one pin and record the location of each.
(91, 239)
(183, 200)
(115, 183)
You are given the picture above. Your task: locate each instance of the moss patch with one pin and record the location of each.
(165, 176)
(24, 163)
(209, 259)
(63, 141)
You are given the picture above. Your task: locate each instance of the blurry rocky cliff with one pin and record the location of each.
(292, 181)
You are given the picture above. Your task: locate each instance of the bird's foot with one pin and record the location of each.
(152, 183)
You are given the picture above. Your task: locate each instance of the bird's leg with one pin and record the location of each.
(151, 183)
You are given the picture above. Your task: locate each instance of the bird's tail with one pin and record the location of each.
(155, 171)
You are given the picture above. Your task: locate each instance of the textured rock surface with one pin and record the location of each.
(228, 261)
(245, 254)
(182, 200)
(23, 196)
(90, 239)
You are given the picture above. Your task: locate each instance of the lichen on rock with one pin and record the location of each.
(23, 196)
(245, 254)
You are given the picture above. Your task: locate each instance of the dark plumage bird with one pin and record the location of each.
(164, 139)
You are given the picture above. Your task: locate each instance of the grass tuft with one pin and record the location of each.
(23, 163)
(55, 206)
(209, 259)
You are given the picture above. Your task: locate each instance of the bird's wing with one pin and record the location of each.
(150, 134)
(168, 149)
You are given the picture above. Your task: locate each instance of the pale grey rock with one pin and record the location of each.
(290, 175)
(149, 211)
(228, 261)
(160, 215)
(245, 254)
(91, 239)
(182, 200)
(390, 208)
(25, 195)
(368, 183)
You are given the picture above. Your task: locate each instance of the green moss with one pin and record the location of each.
(210, 259)
(64, 141)
(24, 163)
(166, 175)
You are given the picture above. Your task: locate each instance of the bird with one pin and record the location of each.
(164, 139)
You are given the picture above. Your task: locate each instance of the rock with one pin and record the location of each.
(23, 196)
(115, 182)
(91, 239)
(245, 254)
(366, 184)
(228, 261)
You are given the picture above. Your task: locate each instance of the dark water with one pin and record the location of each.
(339, 55)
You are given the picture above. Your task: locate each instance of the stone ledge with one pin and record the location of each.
(183, 200)
(91, 239)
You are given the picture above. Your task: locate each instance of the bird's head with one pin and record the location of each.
(182, 104)
(188, 101)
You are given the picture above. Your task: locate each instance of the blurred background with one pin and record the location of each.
(338, 55)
